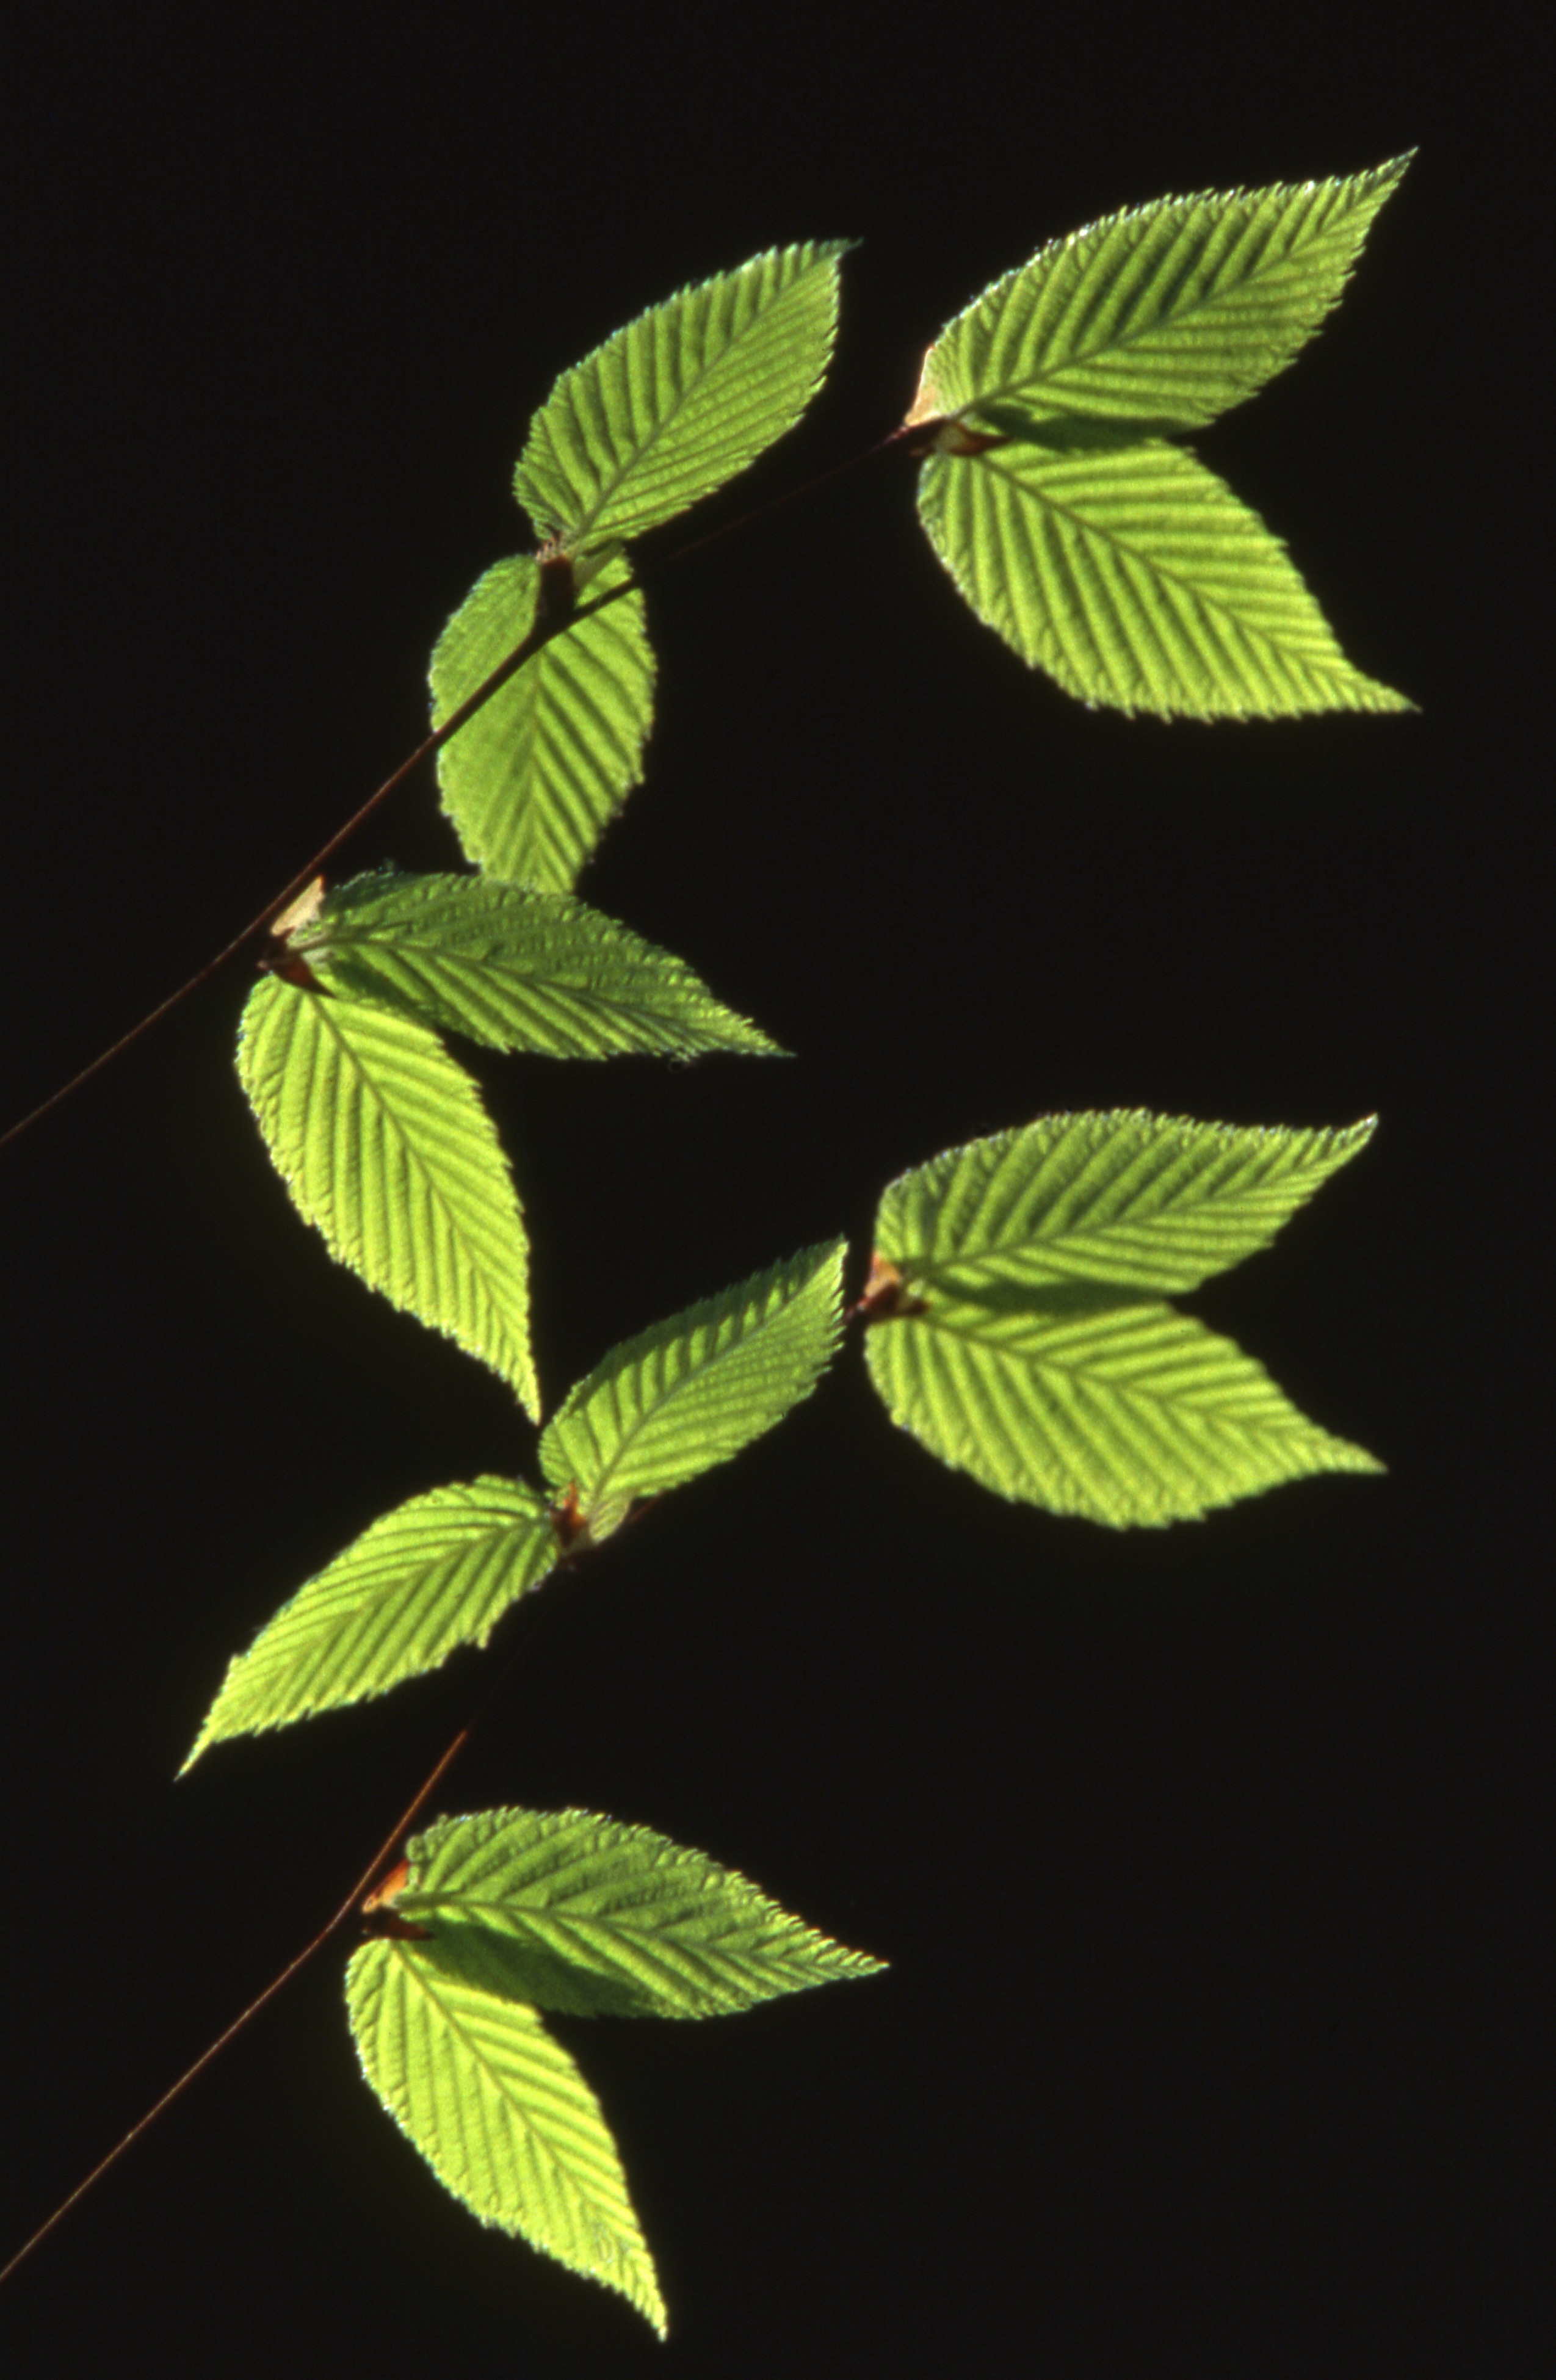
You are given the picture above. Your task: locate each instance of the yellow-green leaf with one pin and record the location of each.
(500, 2113)
(531, 781)
(1135, 579)
(383, 1142)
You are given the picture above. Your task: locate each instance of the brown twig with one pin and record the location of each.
(554, 619)
(360, 1890)
(551, 621)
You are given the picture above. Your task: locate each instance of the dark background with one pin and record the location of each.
(1196, 1854)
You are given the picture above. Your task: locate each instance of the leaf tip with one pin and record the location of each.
(1394, 169)
(210, 1730)
(1371, 694)
(641, 2291)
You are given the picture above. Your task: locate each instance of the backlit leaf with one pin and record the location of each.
(438, 1572)
(500, 2113)
(1135, 579)
(533, 780)
(586, 1915)
(692, 1390)
(682, 399)
(1085, 1401)
(384, 1144)
(1142, 1202)
(1162, 316)
(515, 968)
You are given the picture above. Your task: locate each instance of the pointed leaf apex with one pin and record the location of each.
(384, 1146)
(692, 1390)
(1162, 315)
(436, 1573)
(681, 399)
(201, 1741)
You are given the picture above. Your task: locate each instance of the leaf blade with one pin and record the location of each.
(384, 1145)
(434, 1573)
(585, 1915)
(1089, 1403)
(1163, 315)
(692, 1390)
(516, 969)
(532, 782)
(1135, 579)
(500, 2113)
(1135, 1200)
(681, 399)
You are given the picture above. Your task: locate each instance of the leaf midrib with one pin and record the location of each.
(420, 951)
(1119, 345)
(577, 531)
(429, 1181)
(596, 1930)
(1076, 1369)
(599, 1486)
(609, 2217)
(417, 1574)
(921, 1266)
(420, 1978)
(1320, 666)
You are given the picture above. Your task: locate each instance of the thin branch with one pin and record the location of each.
(540, 635)
(553, 620)
(353, 1901)
(548, 624)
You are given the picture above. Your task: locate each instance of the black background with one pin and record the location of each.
(1196, 1854)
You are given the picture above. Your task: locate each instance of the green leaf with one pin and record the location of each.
(383, 1142)
(437, 1572)
(1012, 1330)
(682, 399)
(1085, 1401)
(1141, 1202)
(500, 2113)
(1135, 579)
(691, 1391)
(586, 1915)
(513, 969)
(533, 780)
(1162, 316)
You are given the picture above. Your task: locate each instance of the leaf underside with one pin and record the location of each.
(500, 2113)
(590, 1917)
(1139, 1201)
(437, 1572)
(681, 399)
(533, 780)
(692, 1390)
(1085, 1402)
(383, 1142)
(1135, 579)
(1161, 316)
(516, 969)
